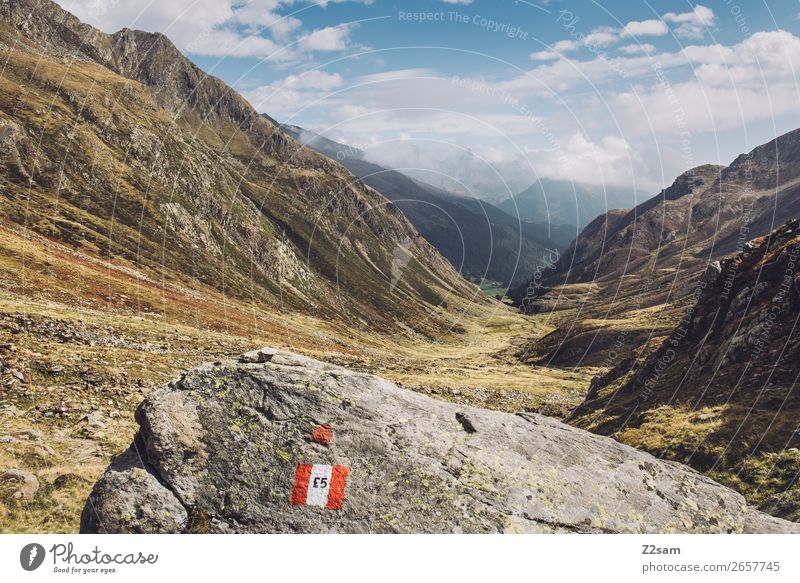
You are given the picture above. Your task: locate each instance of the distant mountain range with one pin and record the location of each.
(479, 239)
(708, 212)
(569, 203)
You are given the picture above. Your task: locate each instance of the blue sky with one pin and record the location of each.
(487, 96)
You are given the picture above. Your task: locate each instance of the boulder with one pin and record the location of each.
(229, 447)
(24, 484)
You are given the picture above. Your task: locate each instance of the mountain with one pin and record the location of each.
(720, 392)
(567, 203)
(479, 239)
(455, 169)
(239, 461)
(151, 220)
(122, 149)
(618, 240)
(638, 269)
(708, 211)
(687, 306)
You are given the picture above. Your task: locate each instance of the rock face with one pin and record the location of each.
(219, 449)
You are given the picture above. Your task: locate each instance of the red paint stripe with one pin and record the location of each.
(323, 434)
(300, 490)
(338, 481)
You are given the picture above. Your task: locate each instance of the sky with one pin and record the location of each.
(487, 96)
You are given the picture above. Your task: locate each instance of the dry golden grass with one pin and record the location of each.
(673, 429)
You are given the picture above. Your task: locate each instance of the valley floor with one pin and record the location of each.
(78, 354)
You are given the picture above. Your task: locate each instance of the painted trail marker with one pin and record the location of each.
(319, 485)
(323, 434)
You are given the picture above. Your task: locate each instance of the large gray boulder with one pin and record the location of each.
(218, 451)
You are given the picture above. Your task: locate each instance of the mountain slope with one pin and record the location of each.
(151, 220)
(720, 393)
(637, 270)
(479, 239)
(690, 323)
(120, 147)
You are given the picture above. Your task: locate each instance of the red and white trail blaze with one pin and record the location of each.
(319, 485)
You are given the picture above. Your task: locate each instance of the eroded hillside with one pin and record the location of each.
(121, 148)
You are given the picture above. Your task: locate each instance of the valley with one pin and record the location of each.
(481, 240)
(78, 355)
(152, 220)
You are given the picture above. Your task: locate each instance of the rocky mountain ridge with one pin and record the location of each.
(634, 270)
(686, 306)
(729, 368)
(121, 148)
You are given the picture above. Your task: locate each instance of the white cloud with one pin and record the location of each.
(220, 28)
(314, 80)
(764, 61)
(259, 14)
(472, 171)
(730, 86)
(232, 44)
(701, 15)
(282, 99)
(646, 28)
(611, 160)
(601, 37)
(398, 92)
(555, 51)
(181, 20)
(701, 88)
(567, 74)
(638, 49)
(331, 38)
(564, 46)
(692, 24)
(545, 56)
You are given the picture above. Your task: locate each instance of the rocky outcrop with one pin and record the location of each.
(23, 484)
(219, 451)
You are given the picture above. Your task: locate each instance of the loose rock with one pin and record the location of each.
(26, 483)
